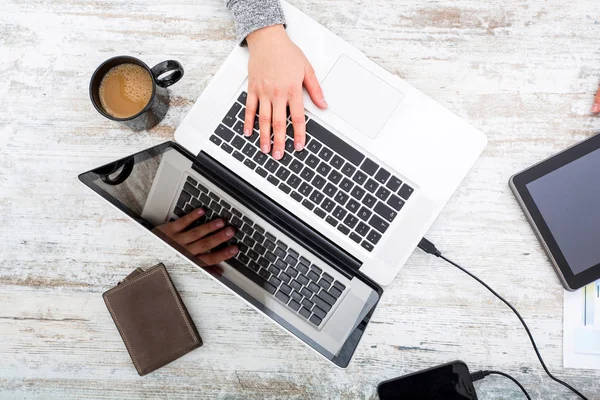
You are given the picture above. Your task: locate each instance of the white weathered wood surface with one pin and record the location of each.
(522, 71)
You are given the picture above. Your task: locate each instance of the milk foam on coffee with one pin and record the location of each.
(125, 90)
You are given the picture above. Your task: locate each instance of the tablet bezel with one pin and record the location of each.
(518, 184)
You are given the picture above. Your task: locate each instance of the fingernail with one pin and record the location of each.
(246, 132)
(277, 155)
(200, 212)
(299, 147)
(596, 108)
(324, 102)
(233, 250)
(219, 223)
(229, 232)
(264, 148)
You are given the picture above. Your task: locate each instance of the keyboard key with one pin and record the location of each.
(296, 196)
(301, 155)
(282, 296)
(395, 202)
(367, 245)
(308, 204)
(260, 249)
(257, 235)
(324, 283)
(214, 196)
(293, 253)
(289, 145)
(353, 206)
(215, 140)
(405, 191)
(373, 237)
(394, 184)
(191, 190)
(227, 148)
(313, 287)
(359, 177)
(239, 128)
(325, 154)
(369, 201)
(317, 197)
(285, 277)
(249, 163)
(296, 296)
(296, 166)
(274, 181)
(323, 168)
(322, 304)
(279, 252)
(313, 276)
(307, 303)
(382, 176)
(382, 193)
(319, 313)
(271, 165)
(378, 224)
(260, 158)
(294, 305)
(337, 162)
(238, 156)
(236, 213)
(339, 213)
(285, 288)
(229, 119)
(286, 159)
(369, 166)
(331, 221)
(355, 237)
(384, 211)
(294, 181)
(312, 161)
(269, 244)
(371, 185)
(348, 169)
(346, 185)
(316, 269)
(301, 278)
(335, 177)
(270, 256)
(249, 150)
(179, 212)
(307, 174)
(315, 320)
(242, 98)
(320, 212)
(343, 229)
(261, 172)
(351, 220)
(275, 281)
(305, 189)
(304, 312)
(328, 205)
(295, 284)
(285, 188)
(319, 182)
(224, 133)
(283, 173)
(335, 143)
(238, 142)
(314, 146)
(274, 270)
(341, 197)
(357, 192)
(330, 190)
(204, 199)
(306, 293)
(364, 213)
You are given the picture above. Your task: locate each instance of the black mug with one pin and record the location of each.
(163, 75)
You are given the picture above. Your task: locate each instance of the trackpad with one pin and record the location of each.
(359, 97)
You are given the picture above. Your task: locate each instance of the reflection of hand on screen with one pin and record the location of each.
(203, 239)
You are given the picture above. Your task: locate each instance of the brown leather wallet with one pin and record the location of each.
(151, 318)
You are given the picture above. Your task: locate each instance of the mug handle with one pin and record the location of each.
(173, 69)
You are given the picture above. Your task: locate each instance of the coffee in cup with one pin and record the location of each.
(125, 90)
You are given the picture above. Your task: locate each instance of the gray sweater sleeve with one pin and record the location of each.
(250, 15)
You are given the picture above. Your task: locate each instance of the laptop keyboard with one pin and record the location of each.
(264, 258)
(329, 177)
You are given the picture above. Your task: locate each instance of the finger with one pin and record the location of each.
(185, 221)
(212, 241)
(218, 256)
(264, 124)
(313, 88)
(199, 232)
(298, 121)
(251, 105)
(279, 111)
(596, 106)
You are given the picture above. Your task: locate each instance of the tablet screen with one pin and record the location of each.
(568, 199)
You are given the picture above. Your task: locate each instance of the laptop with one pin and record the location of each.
(321, 230)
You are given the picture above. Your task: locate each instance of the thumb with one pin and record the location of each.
(313, 88)
(596, 106)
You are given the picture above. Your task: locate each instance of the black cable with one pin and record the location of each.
(482, 374)
(430, 248)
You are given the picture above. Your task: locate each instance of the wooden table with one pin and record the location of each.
(524, 72)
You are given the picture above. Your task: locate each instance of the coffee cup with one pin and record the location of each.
(126, 90)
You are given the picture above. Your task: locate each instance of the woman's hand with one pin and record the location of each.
(276, 72)
(596, 106)
(202, 239)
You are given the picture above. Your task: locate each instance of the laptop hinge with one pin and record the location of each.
(275, 214)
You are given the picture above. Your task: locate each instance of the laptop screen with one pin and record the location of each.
(280, 268)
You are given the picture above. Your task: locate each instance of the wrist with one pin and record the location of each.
(266, 34)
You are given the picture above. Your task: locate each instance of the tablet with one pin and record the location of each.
(560, 197)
